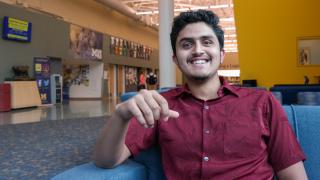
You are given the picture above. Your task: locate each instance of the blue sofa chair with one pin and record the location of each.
(305, 121)
(289, 91)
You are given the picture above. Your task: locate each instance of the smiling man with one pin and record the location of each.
(206, 129)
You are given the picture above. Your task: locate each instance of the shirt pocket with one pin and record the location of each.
(241, 140)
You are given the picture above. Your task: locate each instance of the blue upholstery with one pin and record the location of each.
(305, 121)
(128, 170)
(289, 92)
(309, 98)
(128, 95)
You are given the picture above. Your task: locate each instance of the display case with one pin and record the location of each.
(56, 88)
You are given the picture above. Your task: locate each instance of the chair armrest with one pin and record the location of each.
(128, 170)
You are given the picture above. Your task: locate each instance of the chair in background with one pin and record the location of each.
(249, 83)
(309, 98)
(278, 95)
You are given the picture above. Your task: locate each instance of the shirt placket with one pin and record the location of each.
(206, 132)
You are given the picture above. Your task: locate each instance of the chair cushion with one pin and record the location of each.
(127, 170)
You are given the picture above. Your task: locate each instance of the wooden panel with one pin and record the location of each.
(24, 94)
(120, 79)
(111, 79)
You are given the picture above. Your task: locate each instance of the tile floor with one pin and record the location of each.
(72, 109)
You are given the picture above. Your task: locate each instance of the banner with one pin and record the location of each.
(42, 76)
(85, 43)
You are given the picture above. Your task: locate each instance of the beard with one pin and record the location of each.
(199, 78)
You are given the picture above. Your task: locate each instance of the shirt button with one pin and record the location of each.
(206, 131)
(206, 107)
(206, 158)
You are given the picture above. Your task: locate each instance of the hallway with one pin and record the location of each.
(72, 109)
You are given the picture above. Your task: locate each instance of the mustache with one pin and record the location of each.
(197, 57)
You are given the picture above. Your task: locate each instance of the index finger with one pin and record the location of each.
(165, 111)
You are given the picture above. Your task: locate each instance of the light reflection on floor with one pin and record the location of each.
(72, 109)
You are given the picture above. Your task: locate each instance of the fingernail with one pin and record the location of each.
(145, 126)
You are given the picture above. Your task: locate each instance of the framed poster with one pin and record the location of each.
(131, 78)
(308, 51)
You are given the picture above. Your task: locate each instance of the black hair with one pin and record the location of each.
(185, 18)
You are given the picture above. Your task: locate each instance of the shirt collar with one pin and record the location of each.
(225, 89)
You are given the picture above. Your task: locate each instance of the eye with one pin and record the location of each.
(207, 42)
(186, 45)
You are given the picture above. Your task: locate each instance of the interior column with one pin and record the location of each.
(166, 65)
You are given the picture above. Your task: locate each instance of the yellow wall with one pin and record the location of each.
(93, 15)
(267, 31)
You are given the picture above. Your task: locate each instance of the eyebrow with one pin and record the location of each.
(191, 39)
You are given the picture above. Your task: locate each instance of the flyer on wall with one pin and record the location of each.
(42, 76)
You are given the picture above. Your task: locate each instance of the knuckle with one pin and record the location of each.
(143, 91)
(138, 97)
(163, 103)
(156, 108)
(130, 103)
(148, 113)
(154, 92)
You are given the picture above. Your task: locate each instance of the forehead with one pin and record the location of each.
(196, 31)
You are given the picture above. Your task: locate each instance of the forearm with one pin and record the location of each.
(293, 172)
(110, 149)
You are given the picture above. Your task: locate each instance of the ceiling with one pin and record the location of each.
(148, 10)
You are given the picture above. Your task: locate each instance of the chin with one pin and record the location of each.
(199, 78)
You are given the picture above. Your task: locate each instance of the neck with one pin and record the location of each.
(205, 90)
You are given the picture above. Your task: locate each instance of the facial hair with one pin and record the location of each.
(198, 78)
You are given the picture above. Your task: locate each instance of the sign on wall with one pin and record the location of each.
(15, 29)
(122, 47)
(131, 77)
(85, 43)
(42, 75)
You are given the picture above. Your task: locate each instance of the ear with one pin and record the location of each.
(222, 53)
(174, 59)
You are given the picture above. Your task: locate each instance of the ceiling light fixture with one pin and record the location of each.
(193, 8)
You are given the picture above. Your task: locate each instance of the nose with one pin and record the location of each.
(198, 49)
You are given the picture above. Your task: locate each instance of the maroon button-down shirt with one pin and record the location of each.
(242, 134)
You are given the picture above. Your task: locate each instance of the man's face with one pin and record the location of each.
(198, 52)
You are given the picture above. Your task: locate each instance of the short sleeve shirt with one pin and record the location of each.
(242, 134)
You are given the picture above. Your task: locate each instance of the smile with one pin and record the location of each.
(198, 61)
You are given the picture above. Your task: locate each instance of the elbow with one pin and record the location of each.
(104, 162)
(104, 165)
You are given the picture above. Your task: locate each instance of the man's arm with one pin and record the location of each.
(146, 107)
(110, 149)
(293, 172)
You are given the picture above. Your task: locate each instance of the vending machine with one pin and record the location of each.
(56, 88)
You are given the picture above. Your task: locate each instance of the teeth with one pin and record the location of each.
(199, 62)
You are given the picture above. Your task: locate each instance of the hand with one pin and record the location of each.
(147, 107)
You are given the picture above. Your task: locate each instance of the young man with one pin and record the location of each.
(207, 129)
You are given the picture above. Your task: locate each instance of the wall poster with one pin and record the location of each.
(85, 43)
(308, 51)
(76, 74)
(131, 79)
(42, 76)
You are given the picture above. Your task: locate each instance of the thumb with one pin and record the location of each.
(172, 114)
